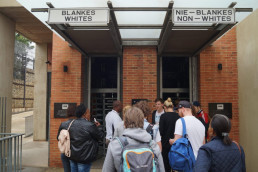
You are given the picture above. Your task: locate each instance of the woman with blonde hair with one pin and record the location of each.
(167, 128)
(135, 136)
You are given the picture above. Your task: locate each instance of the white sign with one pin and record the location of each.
(65, 106)
(79, 15)
(220, 106)
(203, 15)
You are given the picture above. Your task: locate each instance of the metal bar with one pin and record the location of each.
(140, 27)
(165, 37)
(5, 126)
(175, 90)
(10, 154)
(104, 90)
(1, 110)
(15, 154)
(118, 78)
(161, 77)
(140, 39)
(20, 167)
(167, 17)
(113, 27)
(49, 4)
(190, 79)
(244, 9)
(1, 156)
(140, 9)
(39, 10)
(232, 5)
(140, 43)
(215, 37)
(4, 157)
(89, 81)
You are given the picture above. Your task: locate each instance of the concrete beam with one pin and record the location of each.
(7, 30)
(40, 93)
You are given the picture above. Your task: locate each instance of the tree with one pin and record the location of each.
(22, 46)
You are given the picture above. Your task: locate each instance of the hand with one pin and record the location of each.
(171, 141)
(97, 123)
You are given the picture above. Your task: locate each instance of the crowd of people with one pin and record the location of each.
(136, 143)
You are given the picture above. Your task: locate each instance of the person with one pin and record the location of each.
(112, 120)
(167, 128)
(135, 135)
(143, 105)
(120, 127)
(194, 128)
(64, 125)
(220, 154)
(84, 137)
(159, 110)
(201, 115)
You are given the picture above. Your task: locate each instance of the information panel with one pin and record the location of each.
(81, 15)
(220, 108)
(203, 15)
(63, 110)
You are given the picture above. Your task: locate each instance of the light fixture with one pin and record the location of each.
(219, 66)
(65, 68)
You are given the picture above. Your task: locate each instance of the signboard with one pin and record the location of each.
(79, 16)
(63, 110)
(220, 108)
(203, 15)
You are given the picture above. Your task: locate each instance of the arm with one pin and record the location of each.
(96, 132)
(171, 141)
(243, 159)
(109, 161)
(204, 140)
(162, 126)
(203, 162)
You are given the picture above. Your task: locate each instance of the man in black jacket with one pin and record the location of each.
(84, 136)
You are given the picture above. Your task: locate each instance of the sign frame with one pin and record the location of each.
(91, 23)
(203, 22)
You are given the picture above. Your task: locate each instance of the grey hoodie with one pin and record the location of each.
(134, 136)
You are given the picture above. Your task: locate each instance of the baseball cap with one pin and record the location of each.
(184, 104)
(196, 103)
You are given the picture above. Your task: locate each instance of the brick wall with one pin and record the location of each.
(66, 87)
(139, 74)
(220, 86)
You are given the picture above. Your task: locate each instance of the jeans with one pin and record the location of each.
(66, 163)
(79, 167)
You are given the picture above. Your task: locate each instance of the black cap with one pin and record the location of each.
(184, 104)
(196, 103)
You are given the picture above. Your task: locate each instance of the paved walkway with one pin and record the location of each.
(35, 153)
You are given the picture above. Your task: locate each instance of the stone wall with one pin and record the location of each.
(18, 91)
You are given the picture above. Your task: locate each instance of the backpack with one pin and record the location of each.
(181, 156)
(64, 141)
(137, 158)
(149, 130)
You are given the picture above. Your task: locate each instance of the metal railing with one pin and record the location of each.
(10, 152)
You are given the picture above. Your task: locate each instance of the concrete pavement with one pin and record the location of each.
(35, 153)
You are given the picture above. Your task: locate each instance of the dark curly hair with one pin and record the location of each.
(144, 106)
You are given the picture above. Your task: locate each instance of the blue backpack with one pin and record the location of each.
(135, 158)
(181, 156)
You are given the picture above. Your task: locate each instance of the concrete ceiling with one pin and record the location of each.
(27, 24)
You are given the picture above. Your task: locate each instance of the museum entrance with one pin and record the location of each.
(104, 89)
(174, 80)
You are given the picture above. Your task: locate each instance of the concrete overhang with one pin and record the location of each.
(26, 23)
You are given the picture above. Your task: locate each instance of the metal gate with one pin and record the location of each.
(101, 104)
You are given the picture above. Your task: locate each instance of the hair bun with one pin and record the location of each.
(169, 99)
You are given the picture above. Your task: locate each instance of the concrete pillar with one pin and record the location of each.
(7, 32)
(40, 93)
(247, 53)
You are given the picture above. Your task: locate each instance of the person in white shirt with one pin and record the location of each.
(159, 103)
(112, 120)
(194, 128)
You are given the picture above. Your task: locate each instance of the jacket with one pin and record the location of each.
(215, 156)
(84, 137)
(134, 136)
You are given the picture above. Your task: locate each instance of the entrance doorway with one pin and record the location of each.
(174, 80)
(104, 89)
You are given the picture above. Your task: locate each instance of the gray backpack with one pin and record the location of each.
(137, 158)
